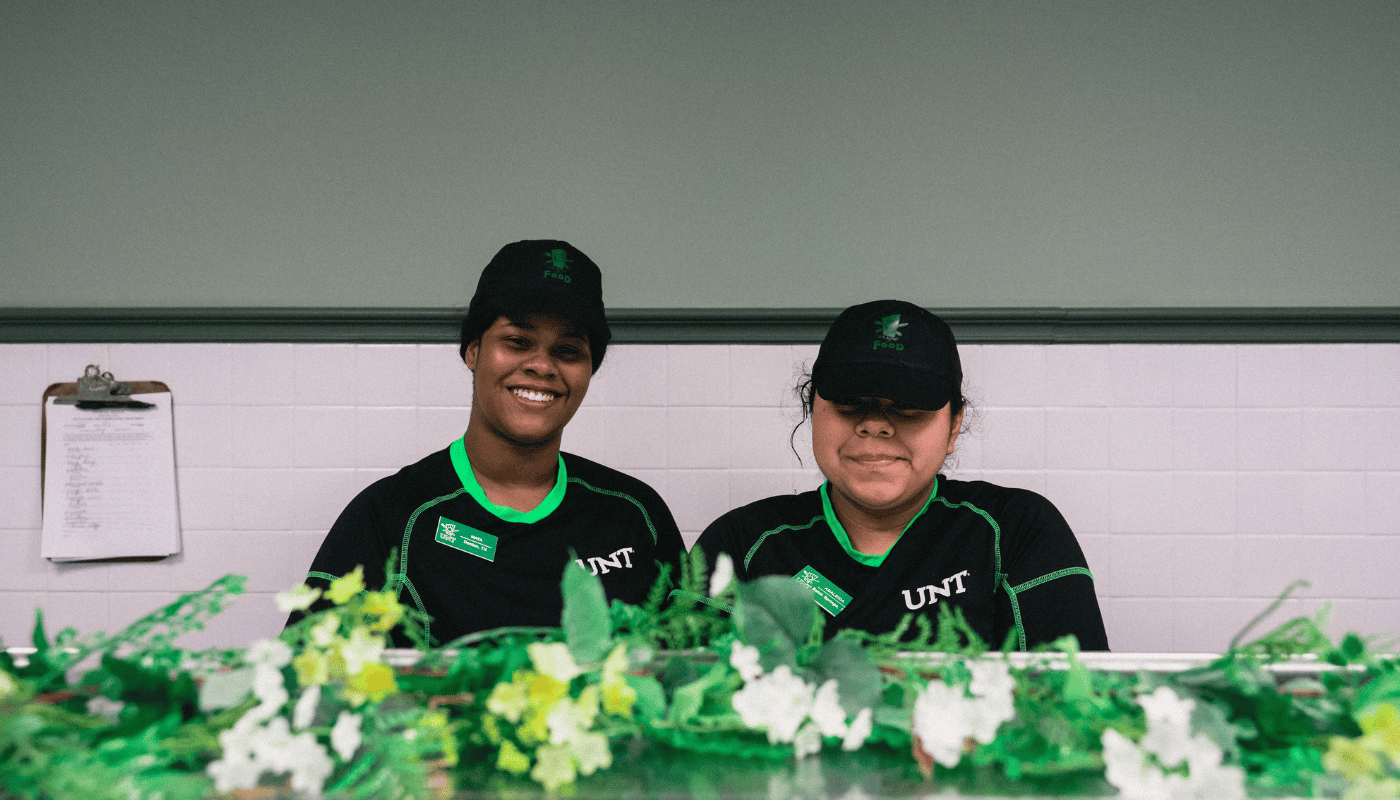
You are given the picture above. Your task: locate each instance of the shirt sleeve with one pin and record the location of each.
(1048, 590)
(722, 536)
(670, 547)
(358, 538)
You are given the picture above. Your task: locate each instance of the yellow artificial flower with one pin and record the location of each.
(347, 586)
(1350, 757)
(618, 695)
(1369, 787)
(8, 685)
(554, 660)
(491, 729)
(535, 727)
(555, 766)
(434, 723)
(544, 690)
(374, 682)
(508, 700)
(1381, 729)
(385, 606)
(511, 759)
(312, 667)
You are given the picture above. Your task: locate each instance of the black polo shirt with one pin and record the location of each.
(1005, 557)
(473, 566)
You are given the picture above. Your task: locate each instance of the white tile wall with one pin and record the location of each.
(1201, 479)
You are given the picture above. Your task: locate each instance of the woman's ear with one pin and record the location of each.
(956, 428)
(470, 355)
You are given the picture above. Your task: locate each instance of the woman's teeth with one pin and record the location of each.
(538, 397)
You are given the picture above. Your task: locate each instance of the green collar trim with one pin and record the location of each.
(845, 540)
(463, 465)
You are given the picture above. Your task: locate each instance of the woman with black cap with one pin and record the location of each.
(484, 528)
(886, 535)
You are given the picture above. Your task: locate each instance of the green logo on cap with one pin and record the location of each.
(558, 264)
(889, 332)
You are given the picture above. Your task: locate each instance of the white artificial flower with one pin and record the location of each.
(271, 692)
(778, 702)
(808, 741)
(305, 710)
(554, 660)
(569, 719)
(345, 736)
(591, 752)
(236, 770)
(744, 658)
(827, 712)
(940, 722)
(100, 706)
(300, 755)
(271, 652)
(323, 633)
(723, 574)
(361, 648)
(945, 717)
(298, 598)
(1164, 707)
(1127, 768)
(859, 730)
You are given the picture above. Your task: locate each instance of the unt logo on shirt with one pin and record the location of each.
(558, 267)
(928, 595)
(620, 559)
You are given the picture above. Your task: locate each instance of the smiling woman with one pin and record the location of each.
(484, 528)
(886, 535)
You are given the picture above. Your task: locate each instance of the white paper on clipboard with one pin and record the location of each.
(109, 482)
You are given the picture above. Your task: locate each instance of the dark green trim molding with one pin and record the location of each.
(706, 325)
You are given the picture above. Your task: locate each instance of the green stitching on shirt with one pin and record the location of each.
(402, 578)
(325, 576)
(696, 597)
(1000, 579)
(1052, 576)
(1016, 614)
(779, 529)
(624, 496)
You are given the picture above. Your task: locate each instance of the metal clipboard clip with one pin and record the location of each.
(98, 389)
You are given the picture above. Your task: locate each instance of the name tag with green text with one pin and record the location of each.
(827, 594)
(466, 538)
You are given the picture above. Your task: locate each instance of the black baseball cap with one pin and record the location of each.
(892, 349)
(546, 275)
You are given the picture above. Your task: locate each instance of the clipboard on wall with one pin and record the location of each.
(107, 466)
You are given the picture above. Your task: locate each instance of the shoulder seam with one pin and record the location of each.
(753, 550)
(655, 539)
(1031, 584)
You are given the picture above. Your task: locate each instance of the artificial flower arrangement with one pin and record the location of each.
(707, 666)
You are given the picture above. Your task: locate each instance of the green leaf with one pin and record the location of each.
(774, 614)
(651, 698)
(587, 626)
(858, 681)
(688, 699)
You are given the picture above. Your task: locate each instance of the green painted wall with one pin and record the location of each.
(706, 154)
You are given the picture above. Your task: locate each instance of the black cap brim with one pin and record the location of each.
(913, 388)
